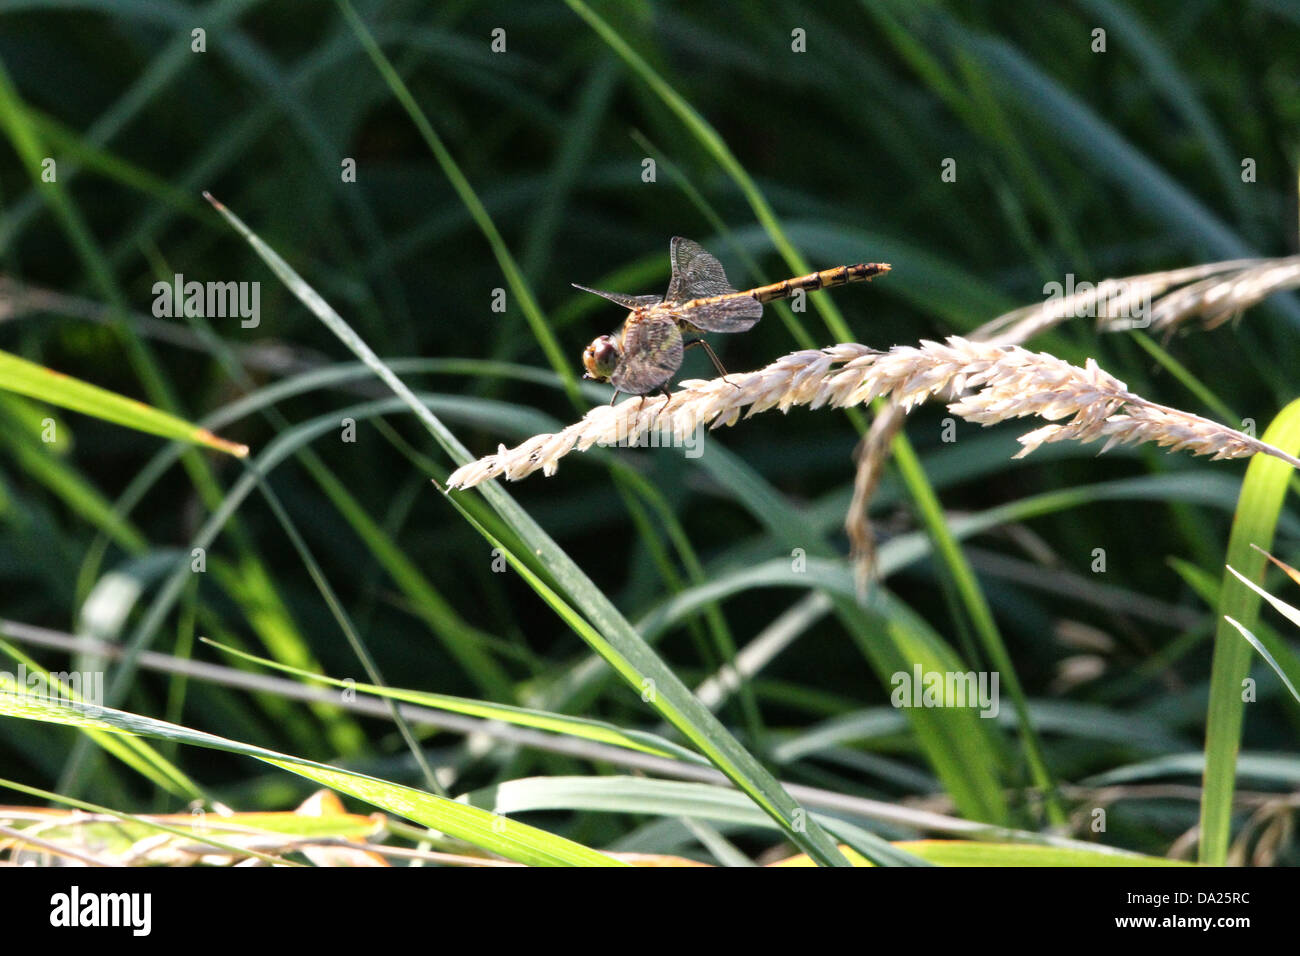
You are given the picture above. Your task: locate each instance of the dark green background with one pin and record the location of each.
(1068, 161)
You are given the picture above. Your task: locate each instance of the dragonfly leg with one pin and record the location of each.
(668, 400)
(655, 413)
(713, 357)
(614, 398)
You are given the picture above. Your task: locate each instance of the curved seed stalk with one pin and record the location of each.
(988, 383)
(1159, 301)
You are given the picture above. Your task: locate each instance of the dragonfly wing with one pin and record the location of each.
(696, 274)
(652, 352)
(626, 301)
(729, 315)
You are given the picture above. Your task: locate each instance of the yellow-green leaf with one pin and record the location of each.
(35, 381)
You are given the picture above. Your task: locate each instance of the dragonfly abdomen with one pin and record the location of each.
(819, 280)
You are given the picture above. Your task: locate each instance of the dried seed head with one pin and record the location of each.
(988, 383)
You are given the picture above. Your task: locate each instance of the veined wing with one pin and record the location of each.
(736, 313)
(696, 274)
(628, 302)
(652, 352)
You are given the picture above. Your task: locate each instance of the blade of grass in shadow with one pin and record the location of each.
(144, 86)
(427, 603)
(724, 643)
(166, 596)
(983, 116)
(591, 104)
(630, 482)
(833, 575)
(44, 464)
(1262, 495)
(698, 723)
(344, 621)
(949, 556)
(1148, 52)
(510, 269)
(971, 774)
(481, 665)
(1270, 769)
(1132, 171)
(72, 147)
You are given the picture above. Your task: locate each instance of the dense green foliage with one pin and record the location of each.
(525, 170)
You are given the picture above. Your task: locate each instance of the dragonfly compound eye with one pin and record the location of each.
(600, 358)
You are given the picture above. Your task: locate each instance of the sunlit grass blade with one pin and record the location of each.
(134, 753)
(488, 831)
(35, 381)
(1261, 500)
(596, 730)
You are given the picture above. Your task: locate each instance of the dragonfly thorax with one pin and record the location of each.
(601, 357)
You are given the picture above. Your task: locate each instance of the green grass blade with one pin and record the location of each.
(491, 832)
(134, 753)
(1262, 495)
(35, 381)
(642, 669)
(1269, 659)
(619, 794)
(595, 730)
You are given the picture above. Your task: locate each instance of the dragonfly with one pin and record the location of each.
(648, 350)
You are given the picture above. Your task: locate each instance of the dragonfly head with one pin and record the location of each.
(600, 358)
